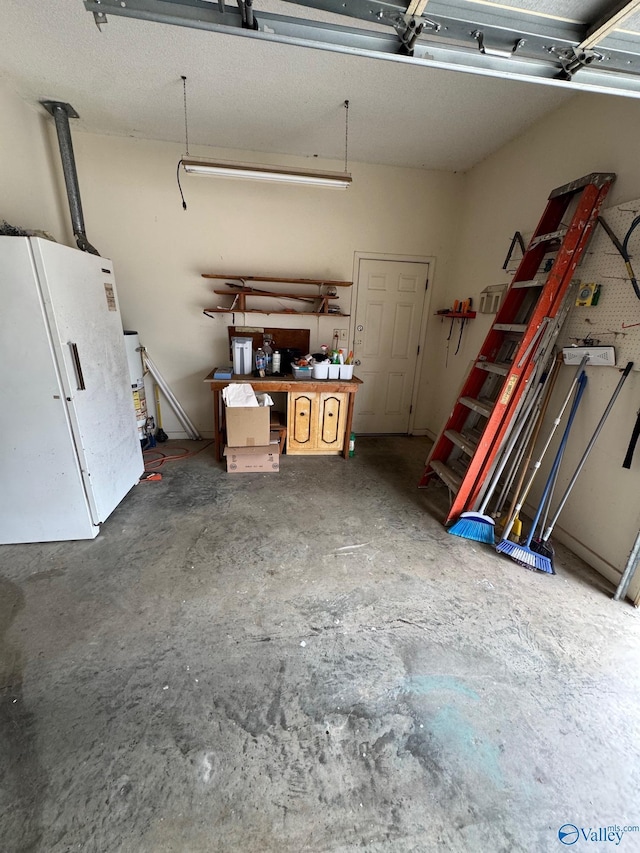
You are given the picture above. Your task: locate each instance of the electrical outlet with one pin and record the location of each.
(341, 334)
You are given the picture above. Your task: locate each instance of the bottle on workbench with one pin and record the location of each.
(268, 354)
(261, 361)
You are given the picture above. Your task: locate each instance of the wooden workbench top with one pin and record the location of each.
(288, 383)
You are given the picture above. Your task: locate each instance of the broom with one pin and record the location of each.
(477, 525)
(516, 524)
(524, 554)
(545, 562)
(505, 546)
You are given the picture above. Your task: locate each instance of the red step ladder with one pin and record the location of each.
(467, 448)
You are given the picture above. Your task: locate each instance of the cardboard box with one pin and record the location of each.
(252, 459)
(247, 426)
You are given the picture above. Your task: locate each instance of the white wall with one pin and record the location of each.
(134, 215)
(507, 192)
(29, 196)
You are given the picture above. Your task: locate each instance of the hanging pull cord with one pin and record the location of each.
(346, 136)
(186, 139)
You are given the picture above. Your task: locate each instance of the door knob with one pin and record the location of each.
(357, 361)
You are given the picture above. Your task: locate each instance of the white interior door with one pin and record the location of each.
(389, 312)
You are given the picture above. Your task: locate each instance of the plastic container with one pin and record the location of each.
(346, 371)
(334, 371)
(321, 370)
(301, 372)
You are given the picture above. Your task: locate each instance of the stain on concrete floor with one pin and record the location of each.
(307, 661)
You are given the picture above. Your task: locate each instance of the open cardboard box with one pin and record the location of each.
(247, 426)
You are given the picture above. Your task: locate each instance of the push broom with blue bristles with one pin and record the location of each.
(476, 524)
(505, 544)
(525, 555)
(545, 561)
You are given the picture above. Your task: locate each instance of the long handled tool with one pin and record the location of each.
(478, 525)
(635, 435)
(525, 555)
(504, 545)
(513, 514)
(547, 567)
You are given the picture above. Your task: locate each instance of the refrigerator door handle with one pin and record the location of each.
(77, 366)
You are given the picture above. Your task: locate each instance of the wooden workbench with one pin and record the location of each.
(319, 411)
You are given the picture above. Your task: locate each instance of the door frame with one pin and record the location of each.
(424, 320)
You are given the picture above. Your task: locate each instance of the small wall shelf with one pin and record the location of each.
(456, 315)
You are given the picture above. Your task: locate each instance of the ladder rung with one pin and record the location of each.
(464, 442)
(501, 368)
(548, 238)
(477, 405)
(510, 327)
(448, 477)
(536, 282)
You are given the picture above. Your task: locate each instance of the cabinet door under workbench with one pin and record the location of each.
(316, 422)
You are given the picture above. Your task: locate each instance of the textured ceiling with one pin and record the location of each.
(260, 96)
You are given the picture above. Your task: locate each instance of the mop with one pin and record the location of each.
(505, 546)
(525, 555)
(545, 565)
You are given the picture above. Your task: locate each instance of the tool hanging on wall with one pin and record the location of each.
(464, 310)
(461, 311)
(635, 435)
(515, 240)
(623, 249)
(588, 295)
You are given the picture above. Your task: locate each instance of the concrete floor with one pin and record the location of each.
(307, 661)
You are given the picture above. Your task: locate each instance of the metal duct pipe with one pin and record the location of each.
(61, 113)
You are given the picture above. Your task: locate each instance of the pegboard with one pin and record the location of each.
(618, 303)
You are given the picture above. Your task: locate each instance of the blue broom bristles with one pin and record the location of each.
(525, 556)
(473, 525)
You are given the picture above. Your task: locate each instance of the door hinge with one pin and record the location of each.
(418, 349)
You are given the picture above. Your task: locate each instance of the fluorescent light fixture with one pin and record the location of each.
(282, 174)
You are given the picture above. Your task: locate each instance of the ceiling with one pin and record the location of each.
(259, 95)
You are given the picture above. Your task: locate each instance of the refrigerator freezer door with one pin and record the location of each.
(80, 300)
(42, 494)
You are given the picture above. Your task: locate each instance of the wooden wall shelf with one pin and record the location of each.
(242, 292)
(320, 281)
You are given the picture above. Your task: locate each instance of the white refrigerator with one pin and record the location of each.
(69, 447)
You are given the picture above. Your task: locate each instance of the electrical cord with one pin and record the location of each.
(152, 464)
(184, 203)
